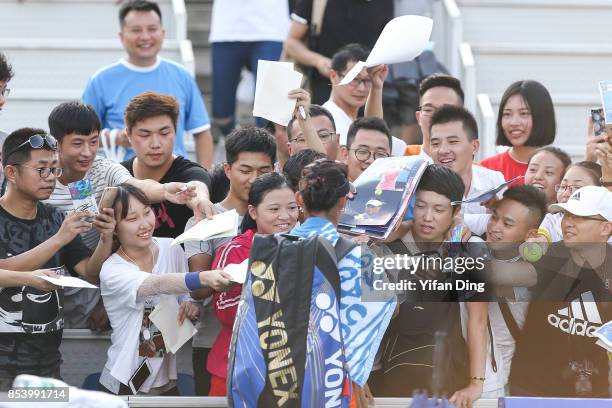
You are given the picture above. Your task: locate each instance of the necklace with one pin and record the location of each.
(136, 263)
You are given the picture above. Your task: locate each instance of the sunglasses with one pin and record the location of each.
(36, 142)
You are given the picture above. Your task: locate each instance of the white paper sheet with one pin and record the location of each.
(221, 225)
(68, 282)
(238, 272)
(164, 316)
(402, 39)
(274, 81)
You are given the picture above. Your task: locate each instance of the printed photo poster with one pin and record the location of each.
(151, 343)
(383, 189)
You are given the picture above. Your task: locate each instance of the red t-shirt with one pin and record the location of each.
(508, 166)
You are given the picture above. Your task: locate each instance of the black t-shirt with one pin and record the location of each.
(568, 304)
(408, 346)
(170, 218)
(26, 314)
(344, 22)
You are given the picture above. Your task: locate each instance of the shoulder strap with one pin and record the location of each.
(398, 247)
(509, 319)
(318, 10)
(343, 247)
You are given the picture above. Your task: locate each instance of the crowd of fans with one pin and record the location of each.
(127, 132)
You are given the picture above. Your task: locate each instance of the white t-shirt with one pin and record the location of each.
(79, 302)
(208, 325)
(343, 122)
(119, 283)
(249, 21)
(483, 179)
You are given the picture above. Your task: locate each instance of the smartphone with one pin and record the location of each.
(599, 121)
(140, 376)
(605, 92)
(108, 197)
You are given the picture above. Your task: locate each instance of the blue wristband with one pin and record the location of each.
(192, 280)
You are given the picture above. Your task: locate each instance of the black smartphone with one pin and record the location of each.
(140, 376)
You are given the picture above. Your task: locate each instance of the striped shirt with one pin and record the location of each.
(103, 173)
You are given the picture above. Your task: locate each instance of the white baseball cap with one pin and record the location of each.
(588, 201)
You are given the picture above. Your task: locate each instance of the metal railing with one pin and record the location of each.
(180, 19)
(486, 119)
(453, 35)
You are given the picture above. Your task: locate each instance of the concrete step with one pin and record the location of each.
(557, 21)
(31, 107)
(202, 61)
(69, 18)
(65, 64)
(198, 15)
(562, 68)
(199, 37)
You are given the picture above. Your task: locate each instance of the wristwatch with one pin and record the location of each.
(605, 183)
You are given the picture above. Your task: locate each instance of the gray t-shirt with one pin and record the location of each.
(208, 325)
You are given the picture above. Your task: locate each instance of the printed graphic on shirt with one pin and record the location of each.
(27, 310)
(151, 342)
(580, 318)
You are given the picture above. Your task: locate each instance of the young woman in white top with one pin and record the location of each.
(578, 175)
(131, 281)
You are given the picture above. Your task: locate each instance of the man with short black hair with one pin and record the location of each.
(323, 123)
(35, 235)
(435, 91)
(110, 89)
(453, 144)
(365, 90)
(514, 219)
(368, 139)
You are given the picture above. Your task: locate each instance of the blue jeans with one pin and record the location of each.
(228, 59)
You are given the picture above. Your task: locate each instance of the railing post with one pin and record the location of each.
(486, 124)
(180, 19)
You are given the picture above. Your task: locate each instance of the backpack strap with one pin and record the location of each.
(493, 360)
(398, 247)
(510, 320)
(343, 248)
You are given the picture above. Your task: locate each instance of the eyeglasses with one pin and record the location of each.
(36, 142)
(562, 188)
(568, 214)
(5, 92)
(45, 172)
(358, 81)
(427, 110)
(325, 136)
(364, 155)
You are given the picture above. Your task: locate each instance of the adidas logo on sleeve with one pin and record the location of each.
(580, 318)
